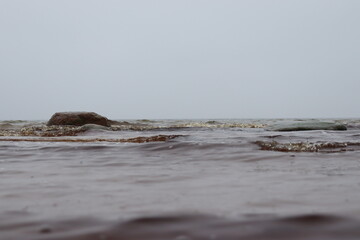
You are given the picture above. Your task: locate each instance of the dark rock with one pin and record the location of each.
(307, 126)
(78, 119)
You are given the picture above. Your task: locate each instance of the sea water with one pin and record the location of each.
(211, 181)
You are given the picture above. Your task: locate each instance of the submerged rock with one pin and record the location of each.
(78, 119)
(307, 126)
(88, 127)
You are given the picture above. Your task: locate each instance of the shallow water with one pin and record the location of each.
(213, 178)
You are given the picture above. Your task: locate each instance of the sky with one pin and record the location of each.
(166, 59)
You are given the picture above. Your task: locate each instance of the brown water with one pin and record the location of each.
(212, 182)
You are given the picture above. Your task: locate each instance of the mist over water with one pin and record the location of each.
(183, 59)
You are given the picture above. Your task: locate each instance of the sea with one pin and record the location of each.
(180, 180)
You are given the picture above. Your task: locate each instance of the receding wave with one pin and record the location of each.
(186, 227)
(157, 138)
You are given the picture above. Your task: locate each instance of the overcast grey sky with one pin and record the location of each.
(180, 59)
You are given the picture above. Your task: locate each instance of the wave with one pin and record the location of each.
(184, 227)
(329, 147)
(146, 125)
(157, 138)
(37, 128)
(7, 129)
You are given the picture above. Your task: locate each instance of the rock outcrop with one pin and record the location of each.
(307, 126)
(78, 119)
